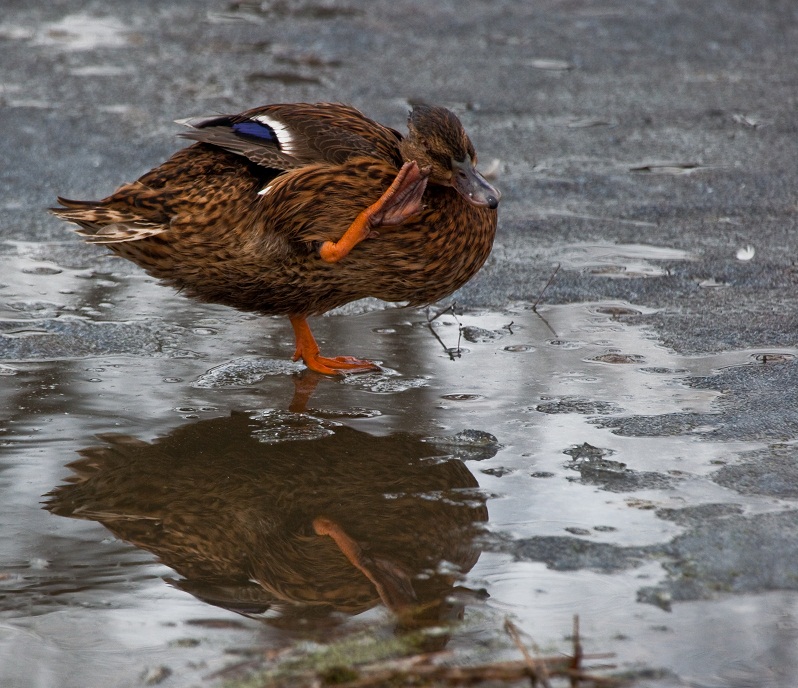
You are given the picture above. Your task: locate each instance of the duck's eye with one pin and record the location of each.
(460, 168)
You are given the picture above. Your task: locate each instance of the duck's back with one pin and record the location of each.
(291, 135)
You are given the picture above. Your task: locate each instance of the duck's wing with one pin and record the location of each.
(285, 137)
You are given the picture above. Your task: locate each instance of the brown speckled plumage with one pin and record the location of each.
(239, 217)
(231, 512)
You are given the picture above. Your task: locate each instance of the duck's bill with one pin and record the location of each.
(473, 186)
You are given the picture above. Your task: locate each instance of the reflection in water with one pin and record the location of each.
(337, 522)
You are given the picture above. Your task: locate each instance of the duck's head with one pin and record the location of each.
(437, 140)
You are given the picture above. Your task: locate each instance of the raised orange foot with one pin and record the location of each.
(400, 202)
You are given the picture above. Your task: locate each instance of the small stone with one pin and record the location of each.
(156, 675)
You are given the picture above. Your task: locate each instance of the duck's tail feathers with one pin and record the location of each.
(100, 224)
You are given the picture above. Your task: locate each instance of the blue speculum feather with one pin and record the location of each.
(255, 130)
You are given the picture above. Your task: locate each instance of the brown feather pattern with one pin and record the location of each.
(239, 221)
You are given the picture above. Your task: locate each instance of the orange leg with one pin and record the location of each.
(308, 350)
(304, 385)
(392, 584)
(401, 201)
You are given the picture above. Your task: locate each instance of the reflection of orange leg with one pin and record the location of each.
(401, 201)
(393, 585)
(305, 384)
(308, 351)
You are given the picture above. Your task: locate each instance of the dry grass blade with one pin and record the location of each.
(427, 675)
(536, 667)
(435, 670)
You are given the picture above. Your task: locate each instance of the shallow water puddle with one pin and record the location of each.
(315, 505)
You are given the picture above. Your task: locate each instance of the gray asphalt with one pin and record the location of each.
(670, 124)
(648, 148)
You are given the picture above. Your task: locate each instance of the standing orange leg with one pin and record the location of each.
(401, 201)
(398, 203)
(308, 350)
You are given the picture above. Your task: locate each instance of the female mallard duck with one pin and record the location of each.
(316, 522)
(296, 209)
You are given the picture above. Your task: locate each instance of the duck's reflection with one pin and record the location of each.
(339, 522)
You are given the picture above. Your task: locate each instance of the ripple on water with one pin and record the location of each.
(618, 358)
(42, 270)
(565, 344)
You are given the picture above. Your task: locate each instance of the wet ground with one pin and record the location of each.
(627, 455)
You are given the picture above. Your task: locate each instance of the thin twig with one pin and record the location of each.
(537, 668)
(546, 323)
(452, 353)
(548, 284)
(449, 309)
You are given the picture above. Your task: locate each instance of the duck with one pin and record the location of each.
(314, 523)
(295, 209)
